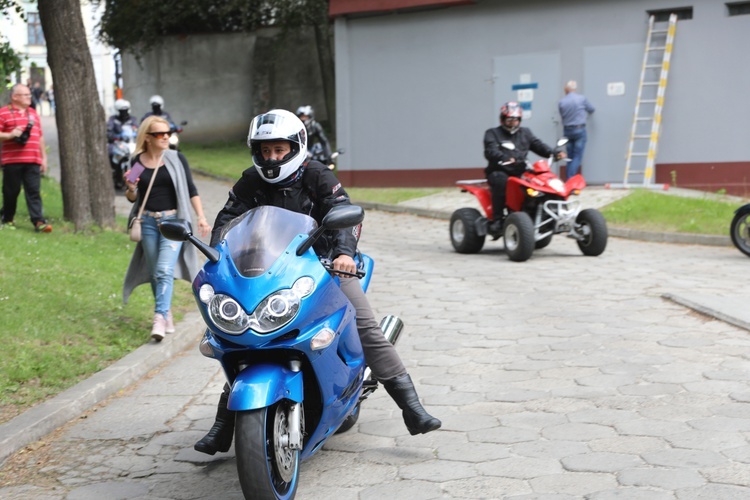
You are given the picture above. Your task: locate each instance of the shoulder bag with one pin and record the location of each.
(134, 228)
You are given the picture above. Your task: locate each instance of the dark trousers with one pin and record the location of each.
(380, 355)
(497, 180)
(576, 145)
(29, 176)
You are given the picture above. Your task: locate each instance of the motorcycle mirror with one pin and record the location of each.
(183, 122)
(180, 230)
(508, 145)
(339, 217)
(562, 142)
(343, 217)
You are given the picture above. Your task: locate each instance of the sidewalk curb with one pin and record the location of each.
(617, 232)
(37, 422)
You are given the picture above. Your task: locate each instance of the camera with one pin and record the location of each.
(24, 137)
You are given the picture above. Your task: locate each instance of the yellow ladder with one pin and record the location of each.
(639, 165)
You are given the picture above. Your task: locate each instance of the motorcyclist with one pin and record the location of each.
(284, 177)
(504, 163)
(117, 122)
(157, 109)
(315, 133)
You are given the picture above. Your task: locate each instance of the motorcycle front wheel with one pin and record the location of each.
(267, 467)
(740, 232)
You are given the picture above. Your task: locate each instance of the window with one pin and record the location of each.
(738, 8)
(36, 35)
(661, 16)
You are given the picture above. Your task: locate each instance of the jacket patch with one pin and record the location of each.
(335, 188)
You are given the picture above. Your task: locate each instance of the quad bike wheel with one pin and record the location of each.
(740, 232)
(463, 231)
(592, 231)
(518, 234)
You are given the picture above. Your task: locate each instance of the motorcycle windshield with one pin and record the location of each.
(258, 237)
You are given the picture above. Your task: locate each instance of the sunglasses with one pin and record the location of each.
(159, 135)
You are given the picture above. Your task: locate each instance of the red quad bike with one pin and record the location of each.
(538, 208)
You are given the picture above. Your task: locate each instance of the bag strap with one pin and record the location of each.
(148, 191)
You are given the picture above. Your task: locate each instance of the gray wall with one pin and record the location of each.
(219, 82)
(416, 91)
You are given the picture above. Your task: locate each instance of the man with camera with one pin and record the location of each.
(23, 157)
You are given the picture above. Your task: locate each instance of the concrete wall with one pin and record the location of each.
(218, 83)
(416, 91)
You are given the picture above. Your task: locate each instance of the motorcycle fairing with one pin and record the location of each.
(262, 385)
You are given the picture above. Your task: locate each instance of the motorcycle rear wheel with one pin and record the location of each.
(463, 231)
(740, 232)
(267, 468)
(518, 235)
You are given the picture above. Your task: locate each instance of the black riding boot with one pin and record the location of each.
(219, 438)
(416, 418)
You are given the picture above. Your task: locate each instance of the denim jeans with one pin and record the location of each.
(161, 257)
(29, 176)
(576, 144)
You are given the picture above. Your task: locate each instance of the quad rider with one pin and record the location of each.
(503, 162)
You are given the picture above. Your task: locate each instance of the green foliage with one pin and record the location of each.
(656, 211)
(61, 304)
(10, 61)
(138, 25)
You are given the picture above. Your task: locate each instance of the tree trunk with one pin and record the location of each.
(86, 178)
(327, 71)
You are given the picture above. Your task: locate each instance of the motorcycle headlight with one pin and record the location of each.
(272, 313)
(174, 140)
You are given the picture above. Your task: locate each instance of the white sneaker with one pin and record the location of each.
(169, 328)
(159, 327)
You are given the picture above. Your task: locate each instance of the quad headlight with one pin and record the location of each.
(272, 313)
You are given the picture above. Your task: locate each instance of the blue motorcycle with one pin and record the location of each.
(286, 337)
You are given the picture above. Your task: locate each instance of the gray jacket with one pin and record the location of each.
(187, 266)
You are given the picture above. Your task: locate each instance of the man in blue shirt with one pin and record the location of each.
(574, 109)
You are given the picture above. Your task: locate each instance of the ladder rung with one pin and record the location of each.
(653, 65)
(644, 118)
(651, 83)
(659, 31)
(636, 172)
(648, 101)
(656, 48)
(638, 154)
(642, 137)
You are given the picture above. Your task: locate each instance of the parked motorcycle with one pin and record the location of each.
(740, 229)
(538, 207)
(286, 337)
(122, 149)
(174, 139)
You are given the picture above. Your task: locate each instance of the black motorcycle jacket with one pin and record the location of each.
(524, 141)
(315, 134)
(314, 193)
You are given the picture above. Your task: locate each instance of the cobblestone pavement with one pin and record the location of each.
(558, 378)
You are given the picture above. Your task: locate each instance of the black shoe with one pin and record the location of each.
(495, 226)
(416, 418)
(219, 438)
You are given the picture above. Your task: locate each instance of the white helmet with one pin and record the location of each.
(278, 125)
(122, 104)
(156, 99)
(305, 110)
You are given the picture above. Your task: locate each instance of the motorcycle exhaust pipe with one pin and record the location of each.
(391, 326)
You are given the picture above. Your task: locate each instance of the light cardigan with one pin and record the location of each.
(187, 265)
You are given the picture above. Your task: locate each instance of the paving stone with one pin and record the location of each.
(684, 458)
(601, 462)
(667, 479)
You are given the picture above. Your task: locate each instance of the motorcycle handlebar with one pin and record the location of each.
(328, 264)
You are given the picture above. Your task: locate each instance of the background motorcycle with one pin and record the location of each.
(538, 208)
(740, 229)
(174, 139)
(285, 336)
(317, 153)
(122, 148)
